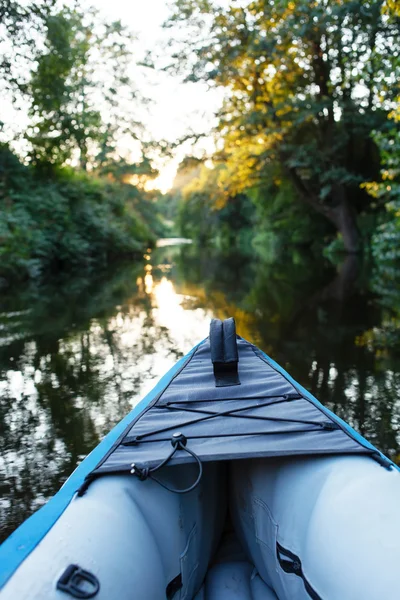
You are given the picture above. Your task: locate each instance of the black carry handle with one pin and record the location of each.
(224, 352)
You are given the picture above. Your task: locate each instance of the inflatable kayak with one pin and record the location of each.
(228, 481)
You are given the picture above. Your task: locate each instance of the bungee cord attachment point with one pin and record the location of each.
(178, 442)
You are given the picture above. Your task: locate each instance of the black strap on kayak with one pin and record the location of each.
(291, 563)
(206, 415)
(178, 442)
(284, 398)
(224, 352)
(174, 586)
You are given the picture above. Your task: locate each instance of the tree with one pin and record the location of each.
(58, 90)
(205, 213)
(387, 238)
(21, 25)
(79, 90)
(306, 84)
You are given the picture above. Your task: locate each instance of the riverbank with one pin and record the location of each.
(69, 221)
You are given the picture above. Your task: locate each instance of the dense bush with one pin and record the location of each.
(67, 222)
(265, 219)
(386, 242)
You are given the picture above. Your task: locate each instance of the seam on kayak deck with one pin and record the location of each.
(346, 428)
(125, 468)
(18, 546)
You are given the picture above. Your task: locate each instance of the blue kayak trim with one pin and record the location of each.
(352, 432)
(23, 540)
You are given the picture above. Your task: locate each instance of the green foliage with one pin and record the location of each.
(67, 223)
(21, 26)
(77, 91)
(266, 218)
(58, 90)
(306, 84)
(386, 242)
(171, 204)
(72, 70)
(284, 222)
(207, 215)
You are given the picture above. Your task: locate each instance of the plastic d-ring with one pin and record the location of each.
(78, 582)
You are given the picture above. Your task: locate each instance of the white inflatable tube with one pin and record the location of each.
(338, 517)
(321, 528)
(134, 536)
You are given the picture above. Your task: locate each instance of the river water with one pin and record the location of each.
(77, 355)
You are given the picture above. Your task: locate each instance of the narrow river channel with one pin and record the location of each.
(76, 355)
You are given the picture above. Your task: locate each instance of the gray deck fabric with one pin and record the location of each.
(263, 392)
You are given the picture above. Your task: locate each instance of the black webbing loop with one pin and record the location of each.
(224, 352)
(178, 442)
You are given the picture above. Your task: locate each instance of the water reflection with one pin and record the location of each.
(76, 356)
(322, 324)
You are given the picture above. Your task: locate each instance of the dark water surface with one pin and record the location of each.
(76, 356)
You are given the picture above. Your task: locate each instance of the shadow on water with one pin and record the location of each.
(77, 355)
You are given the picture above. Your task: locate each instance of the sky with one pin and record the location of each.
(176, 107)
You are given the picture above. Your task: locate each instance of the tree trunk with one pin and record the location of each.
(83, 156)
(346, 223)
(342, 287)
(340, 213)
(344, 217)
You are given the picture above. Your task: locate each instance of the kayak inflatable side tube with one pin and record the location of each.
(319, 527)
(22, 541)
(334, 520)
(134, 537)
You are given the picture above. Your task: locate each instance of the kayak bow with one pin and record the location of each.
(229, 480)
